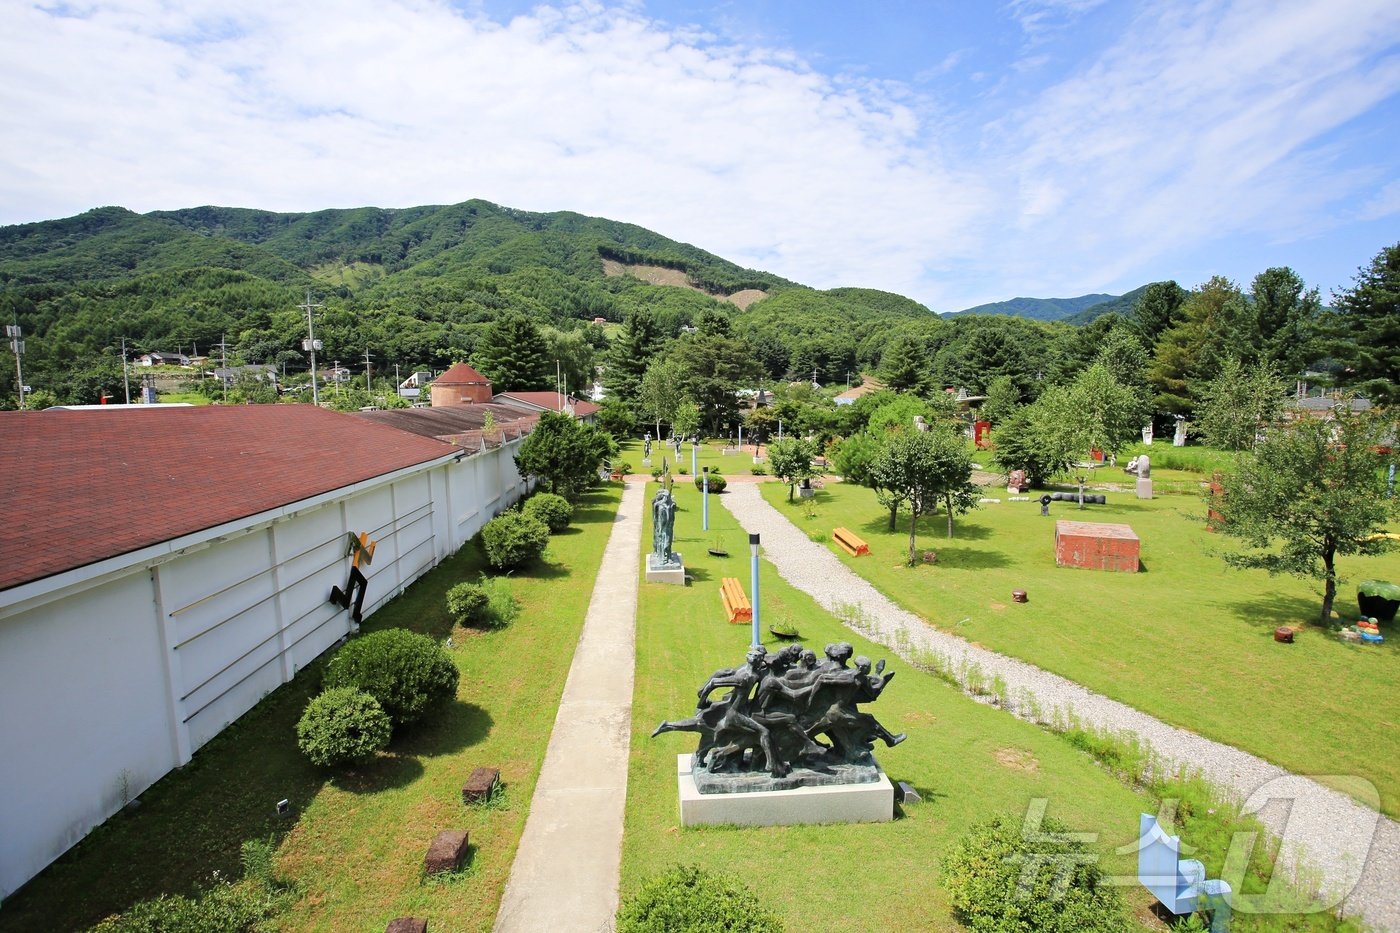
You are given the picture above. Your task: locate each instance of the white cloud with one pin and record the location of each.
(1197, 122)
(1385, 203)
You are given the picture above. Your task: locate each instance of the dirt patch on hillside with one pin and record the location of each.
(1017, 759)
(660, 275)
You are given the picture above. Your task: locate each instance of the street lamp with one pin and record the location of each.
(753, 584)
(705, 499)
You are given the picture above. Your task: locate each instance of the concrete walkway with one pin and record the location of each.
(565, 876)
(1354, 849)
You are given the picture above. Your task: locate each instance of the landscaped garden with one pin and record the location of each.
(1188, 640)
(969, 762)
(352, 846)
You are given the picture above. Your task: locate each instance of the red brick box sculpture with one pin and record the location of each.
(1096, 546)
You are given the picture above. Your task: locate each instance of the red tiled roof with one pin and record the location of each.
(461, 374)
(83, 486)
(550, 402)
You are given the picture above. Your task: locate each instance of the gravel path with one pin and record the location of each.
(1324, 832)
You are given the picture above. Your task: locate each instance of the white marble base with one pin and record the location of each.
(1144, 487)
(842, 803)
(669, 573)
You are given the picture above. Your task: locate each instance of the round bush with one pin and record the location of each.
(983, 880)
(406, 672)
(512, 539)
(554, 511)
(717, 482)
(342, 726)
(688, 899)
(468, 603)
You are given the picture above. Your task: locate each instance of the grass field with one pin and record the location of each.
(708, 455)
(969, 761)
(1189, 640)
(355, 845)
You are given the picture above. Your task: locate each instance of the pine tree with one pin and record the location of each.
(1366, 328)
(905, 365)
(629, 356)
(512, 353)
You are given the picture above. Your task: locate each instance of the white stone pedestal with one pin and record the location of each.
(667, 573)
(1144, 487)
(840, 803)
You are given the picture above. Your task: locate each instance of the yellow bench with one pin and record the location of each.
(736, 605)
(852, 545)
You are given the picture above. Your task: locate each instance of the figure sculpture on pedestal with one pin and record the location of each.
(777, 707)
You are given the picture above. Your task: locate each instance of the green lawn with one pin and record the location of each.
(969, 761)
(356, 844)
(734, 464)
(1189, 640)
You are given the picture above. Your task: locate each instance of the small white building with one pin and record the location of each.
(162, 571)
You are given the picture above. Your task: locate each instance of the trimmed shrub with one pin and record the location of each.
(1068, 893)
(689, 899)
(512, 539)
(468, 603)
(342, 726)
(406, 672)
(717, 482)
(554, 511)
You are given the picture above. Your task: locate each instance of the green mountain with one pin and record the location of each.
(1122, 306)
(1038, 309)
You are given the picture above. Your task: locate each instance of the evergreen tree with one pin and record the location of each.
(1158, 309)
(714, 368)
(1287, 312)
(564, 453)
(1365, 330)
(904, 366)
(512, 353)
(629, 356)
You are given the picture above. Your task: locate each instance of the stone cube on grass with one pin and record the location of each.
(407, 925)
(479, 785)
(447, 852)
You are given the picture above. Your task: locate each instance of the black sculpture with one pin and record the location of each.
(777, 707)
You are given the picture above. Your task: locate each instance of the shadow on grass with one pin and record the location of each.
(447, 730)
(698, 574)
(385, 772)
(1269, 612)
(972, 559)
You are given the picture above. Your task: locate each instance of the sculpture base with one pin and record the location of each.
(1144, 487)
(665, 573)
(870, 802)
(756, 782)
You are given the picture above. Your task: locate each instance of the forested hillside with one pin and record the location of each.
(523, 295)
(1038, 309)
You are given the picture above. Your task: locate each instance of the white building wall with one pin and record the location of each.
(108, 682)
(85, 724)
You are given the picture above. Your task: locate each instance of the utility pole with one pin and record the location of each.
(367, 385)
(17, 345)
(223, 362)
(126, 377)
(335, 374)
(311, 345)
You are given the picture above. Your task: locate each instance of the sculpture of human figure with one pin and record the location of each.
(663, 518)
(728, 722)
(850, 730)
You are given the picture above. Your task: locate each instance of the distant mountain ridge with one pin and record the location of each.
(1039, 309)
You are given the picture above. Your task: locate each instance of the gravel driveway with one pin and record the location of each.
(1323, 831)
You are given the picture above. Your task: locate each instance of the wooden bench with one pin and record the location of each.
(852, 545)
(736, 605)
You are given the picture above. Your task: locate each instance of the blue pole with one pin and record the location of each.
(753, 585)
(705, 498)
(693, 446)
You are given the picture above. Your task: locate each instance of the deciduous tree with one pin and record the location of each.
(1312, 490)
(790, 459)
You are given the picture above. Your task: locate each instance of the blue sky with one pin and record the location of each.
(955, 152)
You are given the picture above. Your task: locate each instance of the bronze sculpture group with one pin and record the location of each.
(778, 707)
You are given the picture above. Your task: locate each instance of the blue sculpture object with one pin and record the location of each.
(1180, 884)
